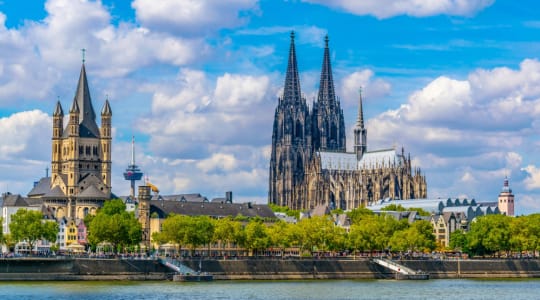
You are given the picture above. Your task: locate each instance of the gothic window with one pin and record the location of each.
(333, 132)
(298, 133)
(87, 150)
(81, 150)
(94, 150)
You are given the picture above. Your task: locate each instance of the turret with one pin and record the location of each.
(58, 130)
(58, 121)
(106, 141)
(74, 119)
(360, 132)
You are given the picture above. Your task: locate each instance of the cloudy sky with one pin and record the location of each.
(455, 82)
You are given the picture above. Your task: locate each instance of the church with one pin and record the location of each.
(309, 165)
(80, 180)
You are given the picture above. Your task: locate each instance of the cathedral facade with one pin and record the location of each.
(309, 165)
(80, 179)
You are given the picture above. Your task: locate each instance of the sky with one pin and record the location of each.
(454, 82)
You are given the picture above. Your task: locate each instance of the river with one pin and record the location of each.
(275, 290)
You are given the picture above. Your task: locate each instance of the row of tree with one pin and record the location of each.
(112, 225)
(498, 235)
(369, 232)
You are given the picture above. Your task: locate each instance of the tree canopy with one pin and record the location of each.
(29, 226)
(114, 225)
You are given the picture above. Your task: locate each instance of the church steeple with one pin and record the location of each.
(291, 91)
(87, 115)
(360, 132)
(327, 95)
(329, 124)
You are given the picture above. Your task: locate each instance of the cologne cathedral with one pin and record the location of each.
(309, 164)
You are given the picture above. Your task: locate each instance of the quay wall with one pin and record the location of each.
(81, 269)
(258, 269)
(365, 269)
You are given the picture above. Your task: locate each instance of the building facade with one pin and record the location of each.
(80, 179)
(506, 199)
(309, 165)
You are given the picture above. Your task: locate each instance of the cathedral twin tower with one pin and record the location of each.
(309, 164)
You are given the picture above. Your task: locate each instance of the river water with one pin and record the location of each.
(275, 290)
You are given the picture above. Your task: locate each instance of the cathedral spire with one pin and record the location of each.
(291, 91)
(87, 115)
(360, 132)
(327, 94)
(360, 119)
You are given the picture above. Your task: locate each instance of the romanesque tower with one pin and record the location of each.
(291, 140)
(506, 199)
(81, 158)
(328, 121)
(144, 214)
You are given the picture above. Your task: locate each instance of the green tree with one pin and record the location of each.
(256, 236)
(114, 225)
(200, 231)
(368, 235)
(356, 215)
(417, 237)
(316, 233)
(279, 234)
(29, 226)
(458, 241)
(489, 234)
(525, 233)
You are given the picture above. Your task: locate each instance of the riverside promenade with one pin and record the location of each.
(67, 268)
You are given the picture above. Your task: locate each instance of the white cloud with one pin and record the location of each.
(416, 8)
(371, 88)
(218, 161)
(24, 135)
(533, 177)
(186, 122)
(192, 17)
(239, 91)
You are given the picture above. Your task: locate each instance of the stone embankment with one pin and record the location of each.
(81, 269)
(258, 269)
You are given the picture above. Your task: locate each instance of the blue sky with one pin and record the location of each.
(456, 83)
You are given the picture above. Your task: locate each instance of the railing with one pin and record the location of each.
(177, 266)
(394, 266)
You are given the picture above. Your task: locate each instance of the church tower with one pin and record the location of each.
(328, 121)
(506, 199)
(291, 141)
(81, 157)
(360, 132)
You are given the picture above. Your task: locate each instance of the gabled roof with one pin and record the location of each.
(214, 210)
(41, 188)
(92, 192)
(14, 200)
(319, 211)
(55, 192)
